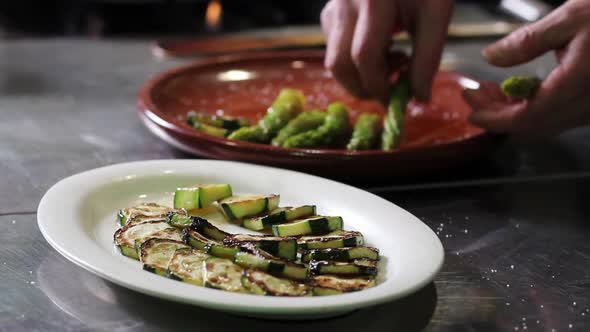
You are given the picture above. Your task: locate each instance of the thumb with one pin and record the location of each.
(532, 40)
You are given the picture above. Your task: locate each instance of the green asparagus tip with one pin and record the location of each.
(520, 86)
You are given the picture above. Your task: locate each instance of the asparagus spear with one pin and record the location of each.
(335, 124)
(288, 104)
(250, 134)
(364, 134)
(303, 122)
(393, 120)
(520, 86)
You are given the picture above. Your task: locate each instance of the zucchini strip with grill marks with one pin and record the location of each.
(311, 226)
(336, 239)
(238, 207)
(179, 218)
(359, 267)
(210, 246)
(282, 247)
(187, 265)
(278, 216)
(221, 273)
(254, 258)
(126, 236)
(200, 196)
(332, 285)
(147, 212)
(262, 283)
(155, 254)
(340, 254)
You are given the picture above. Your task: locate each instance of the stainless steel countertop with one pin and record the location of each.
(517, 255)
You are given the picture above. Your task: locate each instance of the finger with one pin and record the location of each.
(560, 102)
(370, 46)
(532, 40)
(428, 40)
(338, 21)
(486, 94)
(499, 118)
(565, 85)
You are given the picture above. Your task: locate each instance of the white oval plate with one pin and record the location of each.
(77, 217)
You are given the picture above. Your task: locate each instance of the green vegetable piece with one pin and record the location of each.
(365, 132)
(394, 118)
(220, 132)
(253, 134)
(216, 120)
(303, 122)
(520, 86)
(335, 124)
(288, 104)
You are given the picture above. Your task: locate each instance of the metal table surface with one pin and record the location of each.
(517, 254)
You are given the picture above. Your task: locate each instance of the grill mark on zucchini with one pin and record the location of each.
(278, 216)
(149, 211)
(210, 246)
(127, 235)
(238, 207)
(187, 265)
(179, 218)
(340, 254)
(336, 239)
(206, 228)
(311, 226)
(281, 247)
(262, 283)
(252, 257)
(357, 267)
(221, 273)
(332, 285)
(155, 254)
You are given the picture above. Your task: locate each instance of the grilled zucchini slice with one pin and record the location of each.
(332, 285)
(310, 226)
(126, 236)
(336, 239)
(282, 247)
(359, 267)
(211, 130)
(187, 265)
(340, 254)
(179, 218)
(221, 273)
(155, 254)
(212, 247)
(143, 219)
(206, 228)
(147, 212)
(238, 207)
(255, 258)
(200, 196)
(278, 216)
(262, 283)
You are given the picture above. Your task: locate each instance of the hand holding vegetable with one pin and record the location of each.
(562, 100)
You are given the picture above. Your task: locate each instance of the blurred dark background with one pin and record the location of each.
(112, 18)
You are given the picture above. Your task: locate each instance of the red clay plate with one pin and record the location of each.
(437, 135)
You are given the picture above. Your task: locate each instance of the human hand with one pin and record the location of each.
(562, 101)
(358, 34)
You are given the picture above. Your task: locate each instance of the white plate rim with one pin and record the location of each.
(210, 298)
